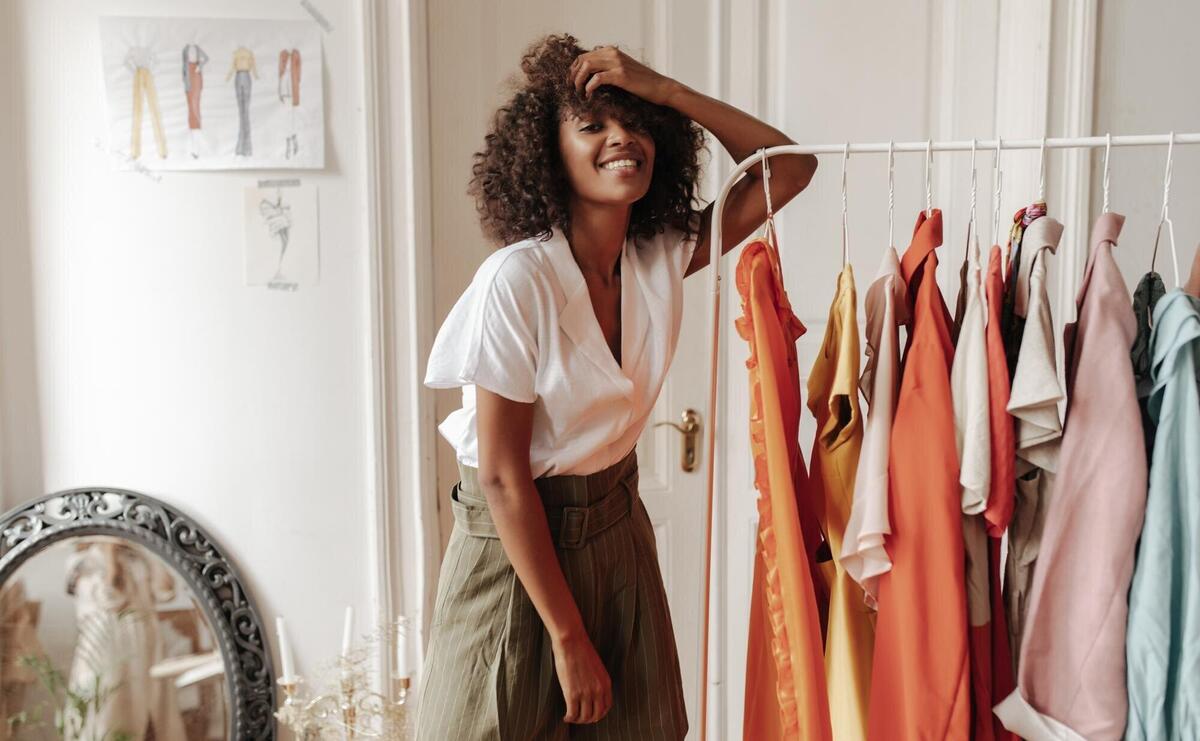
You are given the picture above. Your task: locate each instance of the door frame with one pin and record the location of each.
(402, 513)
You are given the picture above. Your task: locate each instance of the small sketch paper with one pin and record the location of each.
(282, 236)
(207, 94)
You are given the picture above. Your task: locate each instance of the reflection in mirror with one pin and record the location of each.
(100, 640)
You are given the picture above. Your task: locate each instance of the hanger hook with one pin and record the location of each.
(1108, 150)
(974, 179)
(929, 177)
(766, 179)
(891, 192)
(845, 227)
(996, 177)
(1165, 219)
(971, 228)
(1042, 172)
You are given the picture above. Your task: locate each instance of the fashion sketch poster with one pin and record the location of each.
(209, 94)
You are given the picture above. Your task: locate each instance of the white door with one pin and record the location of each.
(674, 497)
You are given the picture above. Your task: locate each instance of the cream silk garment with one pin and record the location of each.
(786, 692)
(1071, 672)
(863, 554)
(1033, 402)
(833, 400)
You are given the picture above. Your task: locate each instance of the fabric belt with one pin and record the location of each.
(570, 527)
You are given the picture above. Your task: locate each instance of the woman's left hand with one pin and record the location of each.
(611, 66)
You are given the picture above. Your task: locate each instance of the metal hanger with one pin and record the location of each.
(972, 227)
(1041, 194)
(928, 177)
(891, 163)
(1165, 219)
(1107, 151)
(845, 226)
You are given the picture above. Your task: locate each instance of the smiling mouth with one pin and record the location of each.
(622, 165)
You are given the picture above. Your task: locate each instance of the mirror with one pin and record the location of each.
(121, 621)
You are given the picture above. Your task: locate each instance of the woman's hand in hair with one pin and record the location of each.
(608, 65)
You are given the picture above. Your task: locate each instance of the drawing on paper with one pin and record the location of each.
(139, 60)
(277, 216)
(244, 66)
(289, 94)
(256, 126)
(281, 235)
(194, 60)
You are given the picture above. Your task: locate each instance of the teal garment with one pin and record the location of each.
(1163, 641)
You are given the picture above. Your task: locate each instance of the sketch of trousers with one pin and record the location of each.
(143, 87)
(195, 86)
(241, 85)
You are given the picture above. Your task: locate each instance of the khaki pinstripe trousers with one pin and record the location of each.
(489, 673)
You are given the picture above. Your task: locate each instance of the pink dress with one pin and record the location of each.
(1071, 673)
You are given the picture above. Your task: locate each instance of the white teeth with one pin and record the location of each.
(615, 164)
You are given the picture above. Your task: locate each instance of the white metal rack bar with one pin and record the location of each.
(981, 145)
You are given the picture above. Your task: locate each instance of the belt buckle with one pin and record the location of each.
(574, 519)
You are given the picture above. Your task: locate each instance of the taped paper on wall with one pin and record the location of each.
(213, 94)
(282, 236)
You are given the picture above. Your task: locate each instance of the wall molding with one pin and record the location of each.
(1073, 191)
(403, 539)
(1022, 91)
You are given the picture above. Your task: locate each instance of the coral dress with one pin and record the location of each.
(786, 695)
(920, 684)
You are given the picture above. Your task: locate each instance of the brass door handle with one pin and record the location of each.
(690, 428)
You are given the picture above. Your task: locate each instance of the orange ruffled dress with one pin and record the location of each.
(786, 692)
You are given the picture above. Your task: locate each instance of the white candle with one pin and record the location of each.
(402, 668)
(285, 650)
(348, 631)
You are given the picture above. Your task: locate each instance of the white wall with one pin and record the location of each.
(131, 353)
(1146, 84)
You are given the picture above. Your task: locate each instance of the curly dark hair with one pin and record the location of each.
(519, 182)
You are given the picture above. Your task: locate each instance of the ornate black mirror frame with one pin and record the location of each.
(191, 552)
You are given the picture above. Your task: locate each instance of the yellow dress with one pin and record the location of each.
(833, 400)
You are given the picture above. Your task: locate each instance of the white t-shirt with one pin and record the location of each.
(525, 329)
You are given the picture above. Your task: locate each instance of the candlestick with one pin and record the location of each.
(403, 671)
(285, 650)
(348, 631)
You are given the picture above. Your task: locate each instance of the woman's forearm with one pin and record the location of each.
(520, 520)
(740, 133)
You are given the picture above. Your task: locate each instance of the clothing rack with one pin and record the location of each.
(845, 149)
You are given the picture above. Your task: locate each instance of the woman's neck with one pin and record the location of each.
(597, 237)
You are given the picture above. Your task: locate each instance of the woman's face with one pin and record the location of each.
(606, 162)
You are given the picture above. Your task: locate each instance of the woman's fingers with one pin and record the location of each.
(598, 79)
(572, 714)
(587, 710)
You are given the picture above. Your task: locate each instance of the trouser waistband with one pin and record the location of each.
(571, 526)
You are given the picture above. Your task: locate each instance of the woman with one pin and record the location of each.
(550, 607)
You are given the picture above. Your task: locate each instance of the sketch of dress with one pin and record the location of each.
(289, 67)
(194, 60)
(244, 66)
(277, 217)
(140, 61)
(116, 590)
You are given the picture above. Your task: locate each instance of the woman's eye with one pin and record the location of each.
(591, 126)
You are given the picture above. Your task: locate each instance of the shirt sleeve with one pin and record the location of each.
(489, 339)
